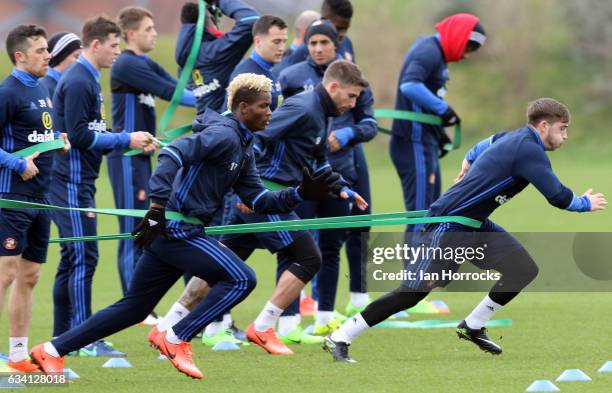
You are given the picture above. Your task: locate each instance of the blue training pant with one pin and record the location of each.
(356, 242)
(129, 177)
(72, 286)
(159, 267)
(418, 168)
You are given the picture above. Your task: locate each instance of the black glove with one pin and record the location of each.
(444, 144)
(152, 225)
(450, 118)
(320, 186)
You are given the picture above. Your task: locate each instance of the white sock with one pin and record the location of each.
(173, 316)
(482, 313)
(323, 317)
(359, 299)
(50, 349)
(350, 329)
(227, 321)
(213, 328)
(18, 348)
(286, 325)
(171, 337)
(267, 317)
(298, 319)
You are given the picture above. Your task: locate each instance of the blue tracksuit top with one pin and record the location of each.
(502, 170)
(344, 50)
(50, 80)
(79, 111)
(218, 56)
(295, 138)
(26, 119)
(305, 76)
(424, 64)
(194, 173)
(135, 82)
(255, 64)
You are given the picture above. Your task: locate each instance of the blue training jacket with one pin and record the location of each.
(218, 56)
(421, 88)
(352, 127)
(79, 111)
(255, 64)
(501, 169)
(194, 173)
(135, 82)
(296, 137)
(26, 119)
(50, 80)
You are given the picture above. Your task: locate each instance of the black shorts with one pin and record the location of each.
(25, 231)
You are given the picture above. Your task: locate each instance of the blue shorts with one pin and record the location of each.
(25, 231)
(491, 244)
(272, 241)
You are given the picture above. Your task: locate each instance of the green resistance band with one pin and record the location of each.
(270, 185)
(172, 135)
(12, 204)
(195, 48)
(163, 142)
(418, 117)
(310, 224)
(40, 147)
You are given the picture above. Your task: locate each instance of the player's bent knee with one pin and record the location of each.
(251, 279)
(307, 267)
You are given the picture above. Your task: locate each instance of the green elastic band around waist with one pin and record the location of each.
(40, 147)
(170, 215)
(418, 117)
(300, 225)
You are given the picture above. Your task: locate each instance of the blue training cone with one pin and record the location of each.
(573, 375)
(4, 357)
(400, 314)
(117, 363)
(440, 306)
(162, 357)
(606, 368)
(71, 374)
(225, 346)
(542, 385)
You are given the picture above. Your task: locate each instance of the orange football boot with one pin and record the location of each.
(268, 341)
(180, 356)
(155, 337)
(23, 366)
(47, 363)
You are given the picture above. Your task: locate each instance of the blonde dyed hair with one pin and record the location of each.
(242, 87)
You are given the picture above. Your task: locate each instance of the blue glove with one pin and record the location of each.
(344, 135)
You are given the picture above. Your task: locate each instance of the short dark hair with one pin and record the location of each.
(547, 109)
(17, 39)
(265, 23)
(345, 73)
(130, 17)
(341, 8)
(98, 28)
(189, 13)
